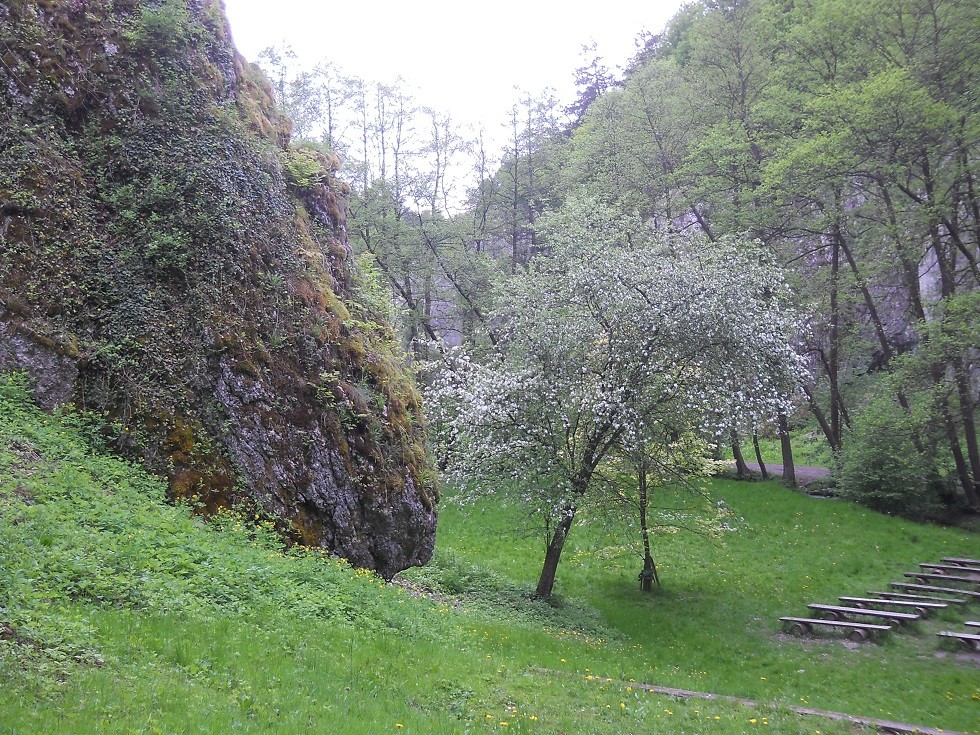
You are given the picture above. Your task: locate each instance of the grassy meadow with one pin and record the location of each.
(122, 614)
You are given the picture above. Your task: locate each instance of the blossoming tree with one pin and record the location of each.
(604, 340)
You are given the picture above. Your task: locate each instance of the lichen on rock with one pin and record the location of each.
(166, 256)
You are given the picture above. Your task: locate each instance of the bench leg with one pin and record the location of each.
(858, 635)
(798, 628)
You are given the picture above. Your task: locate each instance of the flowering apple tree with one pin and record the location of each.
(615, 333)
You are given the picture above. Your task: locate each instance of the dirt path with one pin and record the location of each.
(804, 475)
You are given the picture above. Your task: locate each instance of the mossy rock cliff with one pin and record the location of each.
(169, 259)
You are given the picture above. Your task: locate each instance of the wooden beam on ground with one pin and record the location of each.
(921, 607)
(956, 568)
(927, 578)
(836, 611)
(970, 640)
(934, 588)
(962, 562)
(856, 631)
(930, 598)
(885, 726)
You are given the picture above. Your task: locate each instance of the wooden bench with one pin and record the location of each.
(922, 608)
(926, 577)
(857, 631)
(836, 613)
(928, 598)
(970, 640)
(934, 588)
(946, 568)
(962, 562)
(972, 623)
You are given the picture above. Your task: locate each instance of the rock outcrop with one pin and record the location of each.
(168, 258)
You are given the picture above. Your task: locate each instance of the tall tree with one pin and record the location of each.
(607, 337)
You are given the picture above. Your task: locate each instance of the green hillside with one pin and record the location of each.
(122, 614)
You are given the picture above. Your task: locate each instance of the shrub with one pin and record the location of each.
(880, 466)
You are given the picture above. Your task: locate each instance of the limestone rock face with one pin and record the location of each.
(167, 257)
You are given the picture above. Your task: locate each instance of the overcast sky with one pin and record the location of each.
(461, 57)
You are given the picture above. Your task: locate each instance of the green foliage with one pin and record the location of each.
(120, 614)
(479, 586)
(880, 465)
(373, 289)
(826, 129)
(158, 229)
(164, 28)
(123, 547)
(302, 167)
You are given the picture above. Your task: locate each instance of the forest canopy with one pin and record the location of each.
(840, 137)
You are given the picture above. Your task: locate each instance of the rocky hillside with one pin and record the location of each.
(169, 259)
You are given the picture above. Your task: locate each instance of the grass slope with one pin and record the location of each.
(122, 614)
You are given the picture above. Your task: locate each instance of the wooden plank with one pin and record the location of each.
(908, 596)
(962, 562)
(951, 568)
(888, 726)
(858, 631)
(933, 588)
(972, 623)
(897, 617)
(838, 623)
(970, 640)
(925, 577)
(921, 607)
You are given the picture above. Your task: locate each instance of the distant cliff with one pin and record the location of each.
(168, 258)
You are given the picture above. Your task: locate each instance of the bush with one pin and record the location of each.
(880, 466)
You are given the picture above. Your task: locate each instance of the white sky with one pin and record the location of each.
(461, 57)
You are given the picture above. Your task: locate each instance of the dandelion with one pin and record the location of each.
(753, 720)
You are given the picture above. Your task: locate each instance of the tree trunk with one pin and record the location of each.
(962, 379)
(789, 468)
(962, 471)
(833, 368)
(758, 455)
(741, 469)
(821, 419)
(649, 574)
(546, 582)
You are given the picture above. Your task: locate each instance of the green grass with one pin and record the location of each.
(810, 449)
(122, 614)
